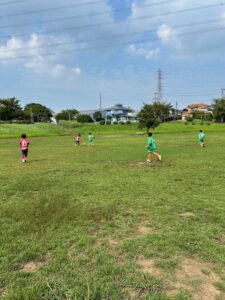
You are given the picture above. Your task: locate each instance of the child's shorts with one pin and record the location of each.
(24, 152)
(151, 151)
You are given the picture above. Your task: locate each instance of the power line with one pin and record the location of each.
(110, 45)
(131, 19)
(190, 95)
(82, 4)
(107, 38)
(13, 2)
(97, 25)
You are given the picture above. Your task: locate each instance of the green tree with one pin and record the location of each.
(38, 112)
(67, 114)
(84, 118)
(147, 118)
(162, 110)
(219, 110)
(97, 116)
(151, 115)
(10, 109)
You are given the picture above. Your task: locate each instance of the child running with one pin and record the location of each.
(151, 146)
(201, 138)
(24, 143)
(90, 139)
(77, 140)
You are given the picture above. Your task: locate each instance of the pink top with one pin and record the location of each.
(24, 144)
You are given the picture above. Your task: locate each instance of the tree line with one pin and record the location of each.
(150, 116)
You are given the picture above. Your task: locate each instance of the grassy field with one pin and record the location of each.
(100, 223)
(71, 128)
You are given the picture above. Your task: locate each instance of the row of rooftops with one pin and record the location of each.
(120, 107)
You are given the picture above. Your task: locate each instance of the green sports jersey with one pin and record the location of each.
(201, 136)
(90, 138)
(151, 144)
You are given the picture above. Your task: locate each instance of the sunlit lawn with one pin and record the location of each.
(100, 223)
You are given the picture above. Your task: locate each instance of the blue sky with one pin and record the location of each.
(150, 34)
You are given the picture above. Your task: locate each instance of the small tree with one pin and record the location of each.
(97, 116)
(219, 110)
(38, 112)
(67, 114)
(10, 109)
(84, 118)
(147, 117)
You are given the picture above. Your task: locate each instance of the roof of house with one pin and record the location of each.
(186, 113)
(117, 106)
(198, 105)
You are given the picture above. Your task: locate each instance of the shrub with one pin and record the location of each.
(115, 122)
(208, 123)
(193, 123)
(108, 123)
(189, 119)
(202, 123)
(186, 123)
(122, 123)
(102, 122)
(128, 122)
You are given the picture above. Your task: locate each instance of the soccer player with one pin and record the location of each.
(77, 140)
(201, 138)
(90, 139)
(24, 143)
(151, 146)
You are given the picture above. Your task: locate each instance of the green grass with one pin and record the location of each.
(32, 130)
(67, 203)
(72, 128)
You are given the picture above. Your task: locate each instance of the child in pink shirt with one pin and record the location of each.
(24, 143)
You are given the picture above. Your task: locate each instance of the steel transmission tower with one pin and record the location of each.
(159, 93)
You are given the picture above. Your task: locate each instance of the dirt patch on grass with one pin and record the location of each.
(3, 292)
(141, 229)
(187, 214)
(133, 295)
(148, 266)
(112, 247)
(33, 266)
(197, 278)
(140, 164)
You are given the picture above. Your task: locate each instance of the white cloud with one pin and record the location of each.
(164, 31)
(57, 70)
(143, 52)
(33, 56)
(76, 71)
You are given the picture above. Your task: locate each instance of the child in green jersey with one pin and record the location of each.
(201, 138)
(151, 146)
(90, 139)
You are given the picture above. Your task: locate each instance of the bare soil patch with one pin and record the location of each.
(141, 229)
(197, 278)
(112, 247)
(148, 266)
(33, 266)
(187, 214)
(133, 295)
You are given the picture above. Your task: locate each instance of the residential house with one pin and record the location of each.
(188, 112)
(119, 113)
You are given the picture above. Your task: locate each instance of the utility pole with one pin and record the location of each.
(31, 115)
(176, 112)
(100, 100)
(222, 93)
